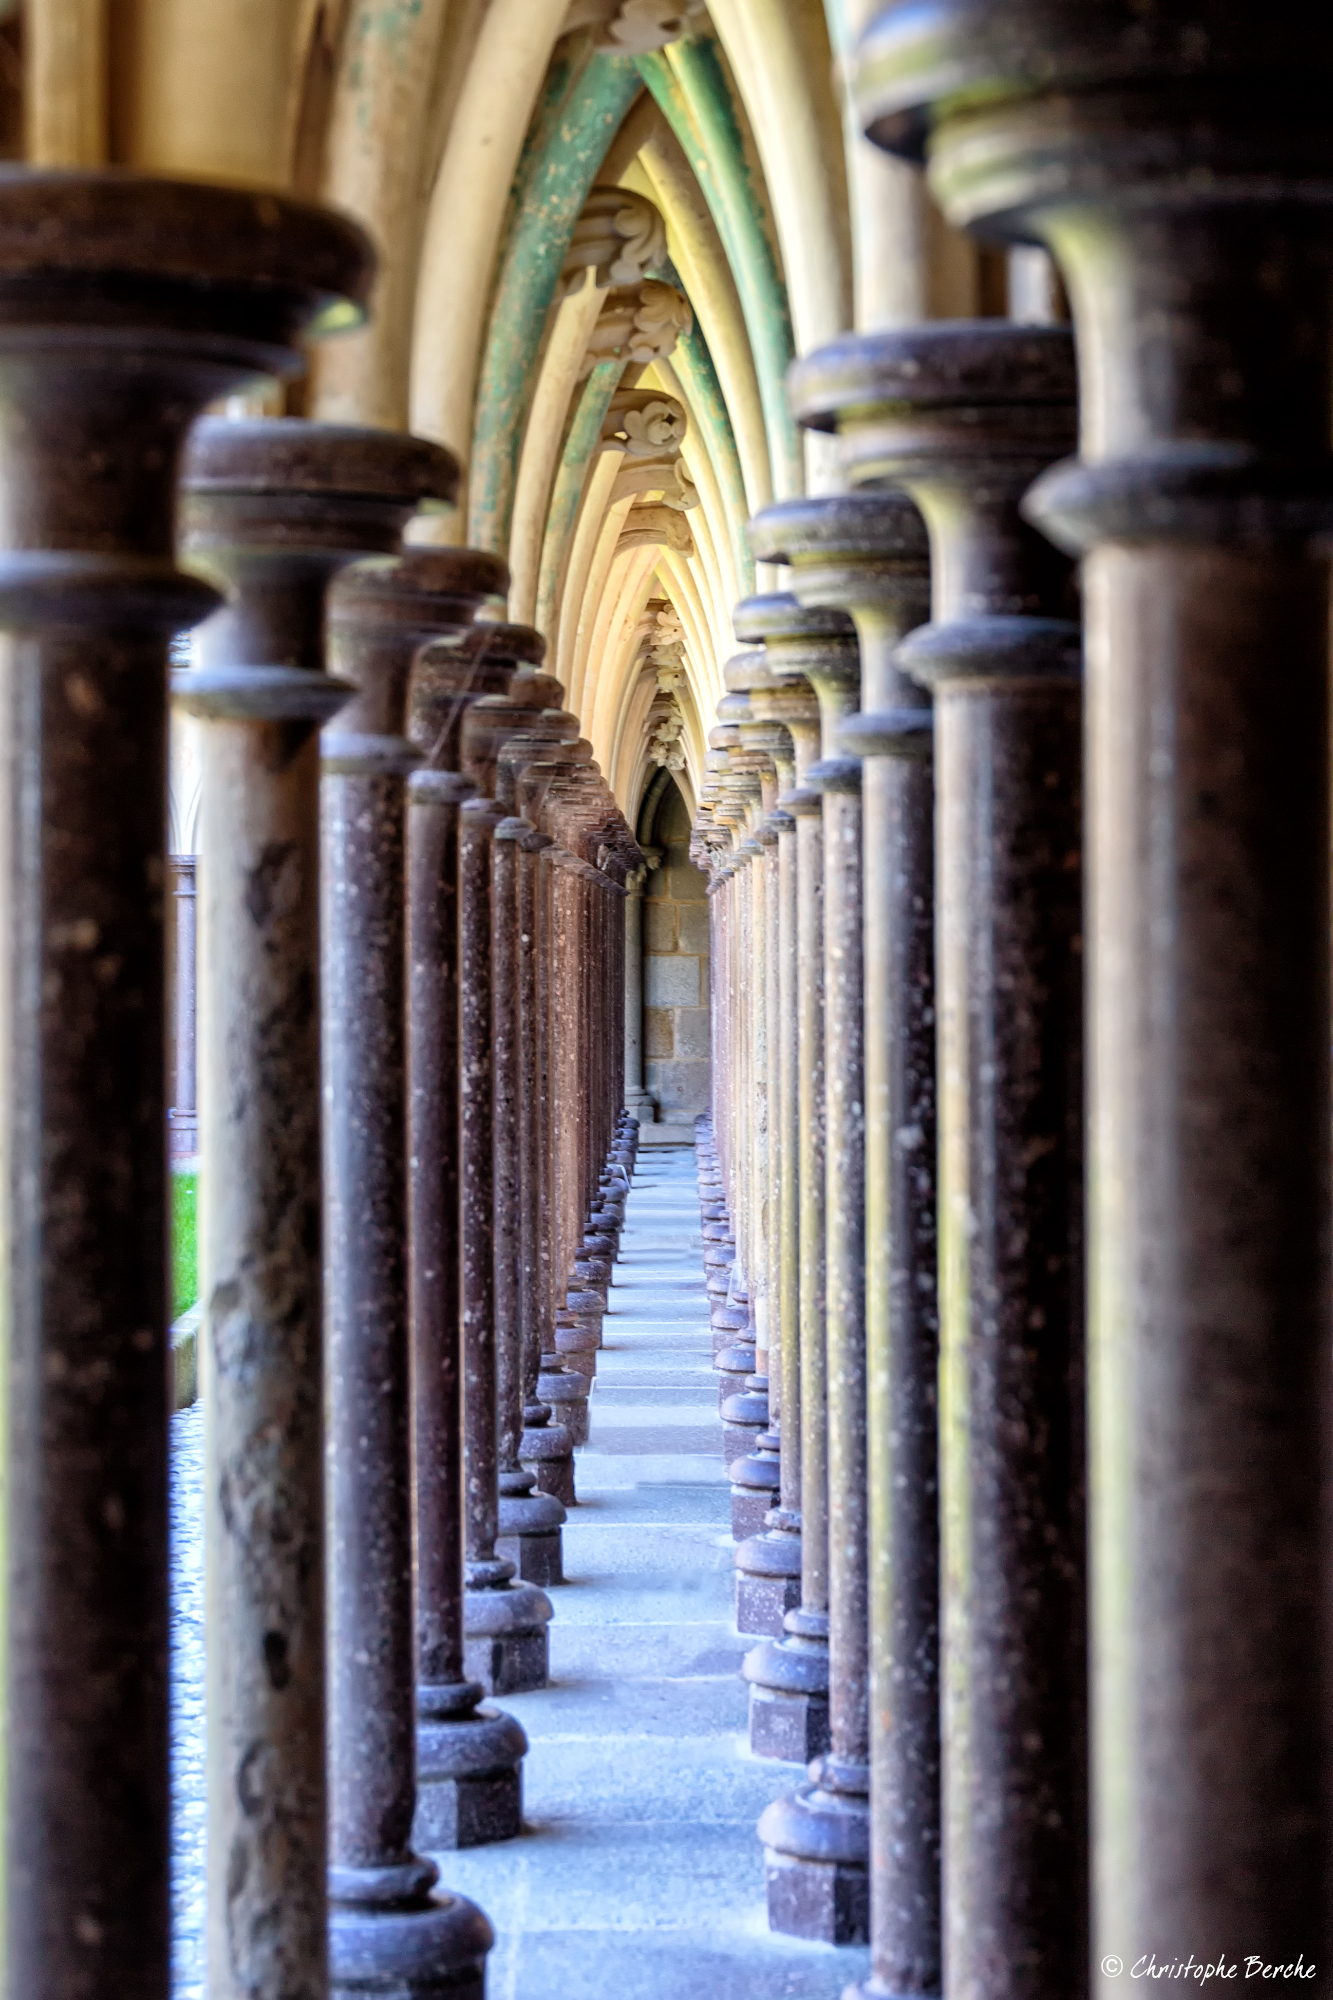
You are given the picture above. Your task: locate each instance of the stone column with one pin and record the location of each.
(1002, 657)
(183, 1117)
(529, 1521)
(817, 1842)
(469, 1759)
(546, 1447)
(866, 554)
(387, 1925)
(768, 1563)
(129, 303)
(789, 1677)
(269, 511)
(638, 1101)
(1199, 507)
(505, 1622)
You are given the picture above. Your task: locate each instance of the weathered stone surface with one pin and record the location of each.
(670, 981)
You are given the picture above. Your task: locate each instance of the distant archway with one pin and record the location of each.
(676, 1019)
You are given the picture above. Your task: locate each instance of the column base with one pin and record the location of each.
(817, 1856)
(745, 1420)
(529, 1538)
(505, 1641)
(789, 1680)
(547, 1452)
(421, 1946)
(755, 1482)
(566, 1390)
(768, 1578)
(735, 1364)
(578, 1344)
(469, 1778)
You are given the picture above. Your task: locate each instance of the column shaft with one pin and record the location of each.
(271, 510)
(128, 304)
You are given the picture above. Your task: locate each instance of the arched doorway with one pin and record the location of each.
(674, 1072)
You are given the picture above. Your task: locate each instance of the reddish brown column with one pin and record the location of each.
(789, 1676)
(530, 1521)
(128, 304)
(504, 1622)
(546, 1446)
(1179, 167)
(817, 1842)
(530, 1517)
(387, 1925)
(865, 553)
(270, 510)
(768, 1561)
(469, 1786)
(965, 415)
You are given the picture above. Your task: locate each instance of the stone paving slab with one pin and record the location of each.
(599, 1549)
(663, 1504)
(604, 1966)
(582, 1648)
(641, 1877)
(654, 1389)
(685, 1597)
(611, 1440)
(589, 1705)
(604, 1469)
(682, 1409)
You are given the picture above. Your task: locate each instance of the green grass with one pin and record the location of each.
(184, 1254)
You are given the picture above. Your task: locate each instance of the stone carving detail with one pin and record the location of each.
(649, 428)
(619, 235)
(633, 27)
(639, 326)
(665, 655)
(656, 526)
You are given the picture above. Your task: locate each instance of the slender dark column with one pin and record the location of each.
(768, 1564)
(504, 1622)
(183, 1117)
(530, 1520)
(469, 1759)
(817, 1842)
(965, 415)
(747, 1442)
(866, 554)
(270, 510)
(1187, 206)
(546, 1447)
(789, 1678)
(990, 407)
(128, 304)
(386, 1924)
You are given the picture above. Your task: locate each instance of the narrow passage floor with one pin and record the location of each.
(640, 1877)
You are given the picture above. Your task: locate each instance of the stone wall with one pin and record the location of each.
(675, 972)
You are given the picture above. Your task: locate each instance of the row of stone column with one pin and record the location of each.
(1035, 1772)
(893, 817)
(411, 959)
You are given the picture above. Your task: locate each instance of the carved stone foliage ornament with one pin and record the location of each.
(640, 325)
(633, 27)
(619, 235)
(649, 428)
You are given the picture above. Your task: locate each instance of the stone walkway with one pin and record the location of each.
(639, 1876)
